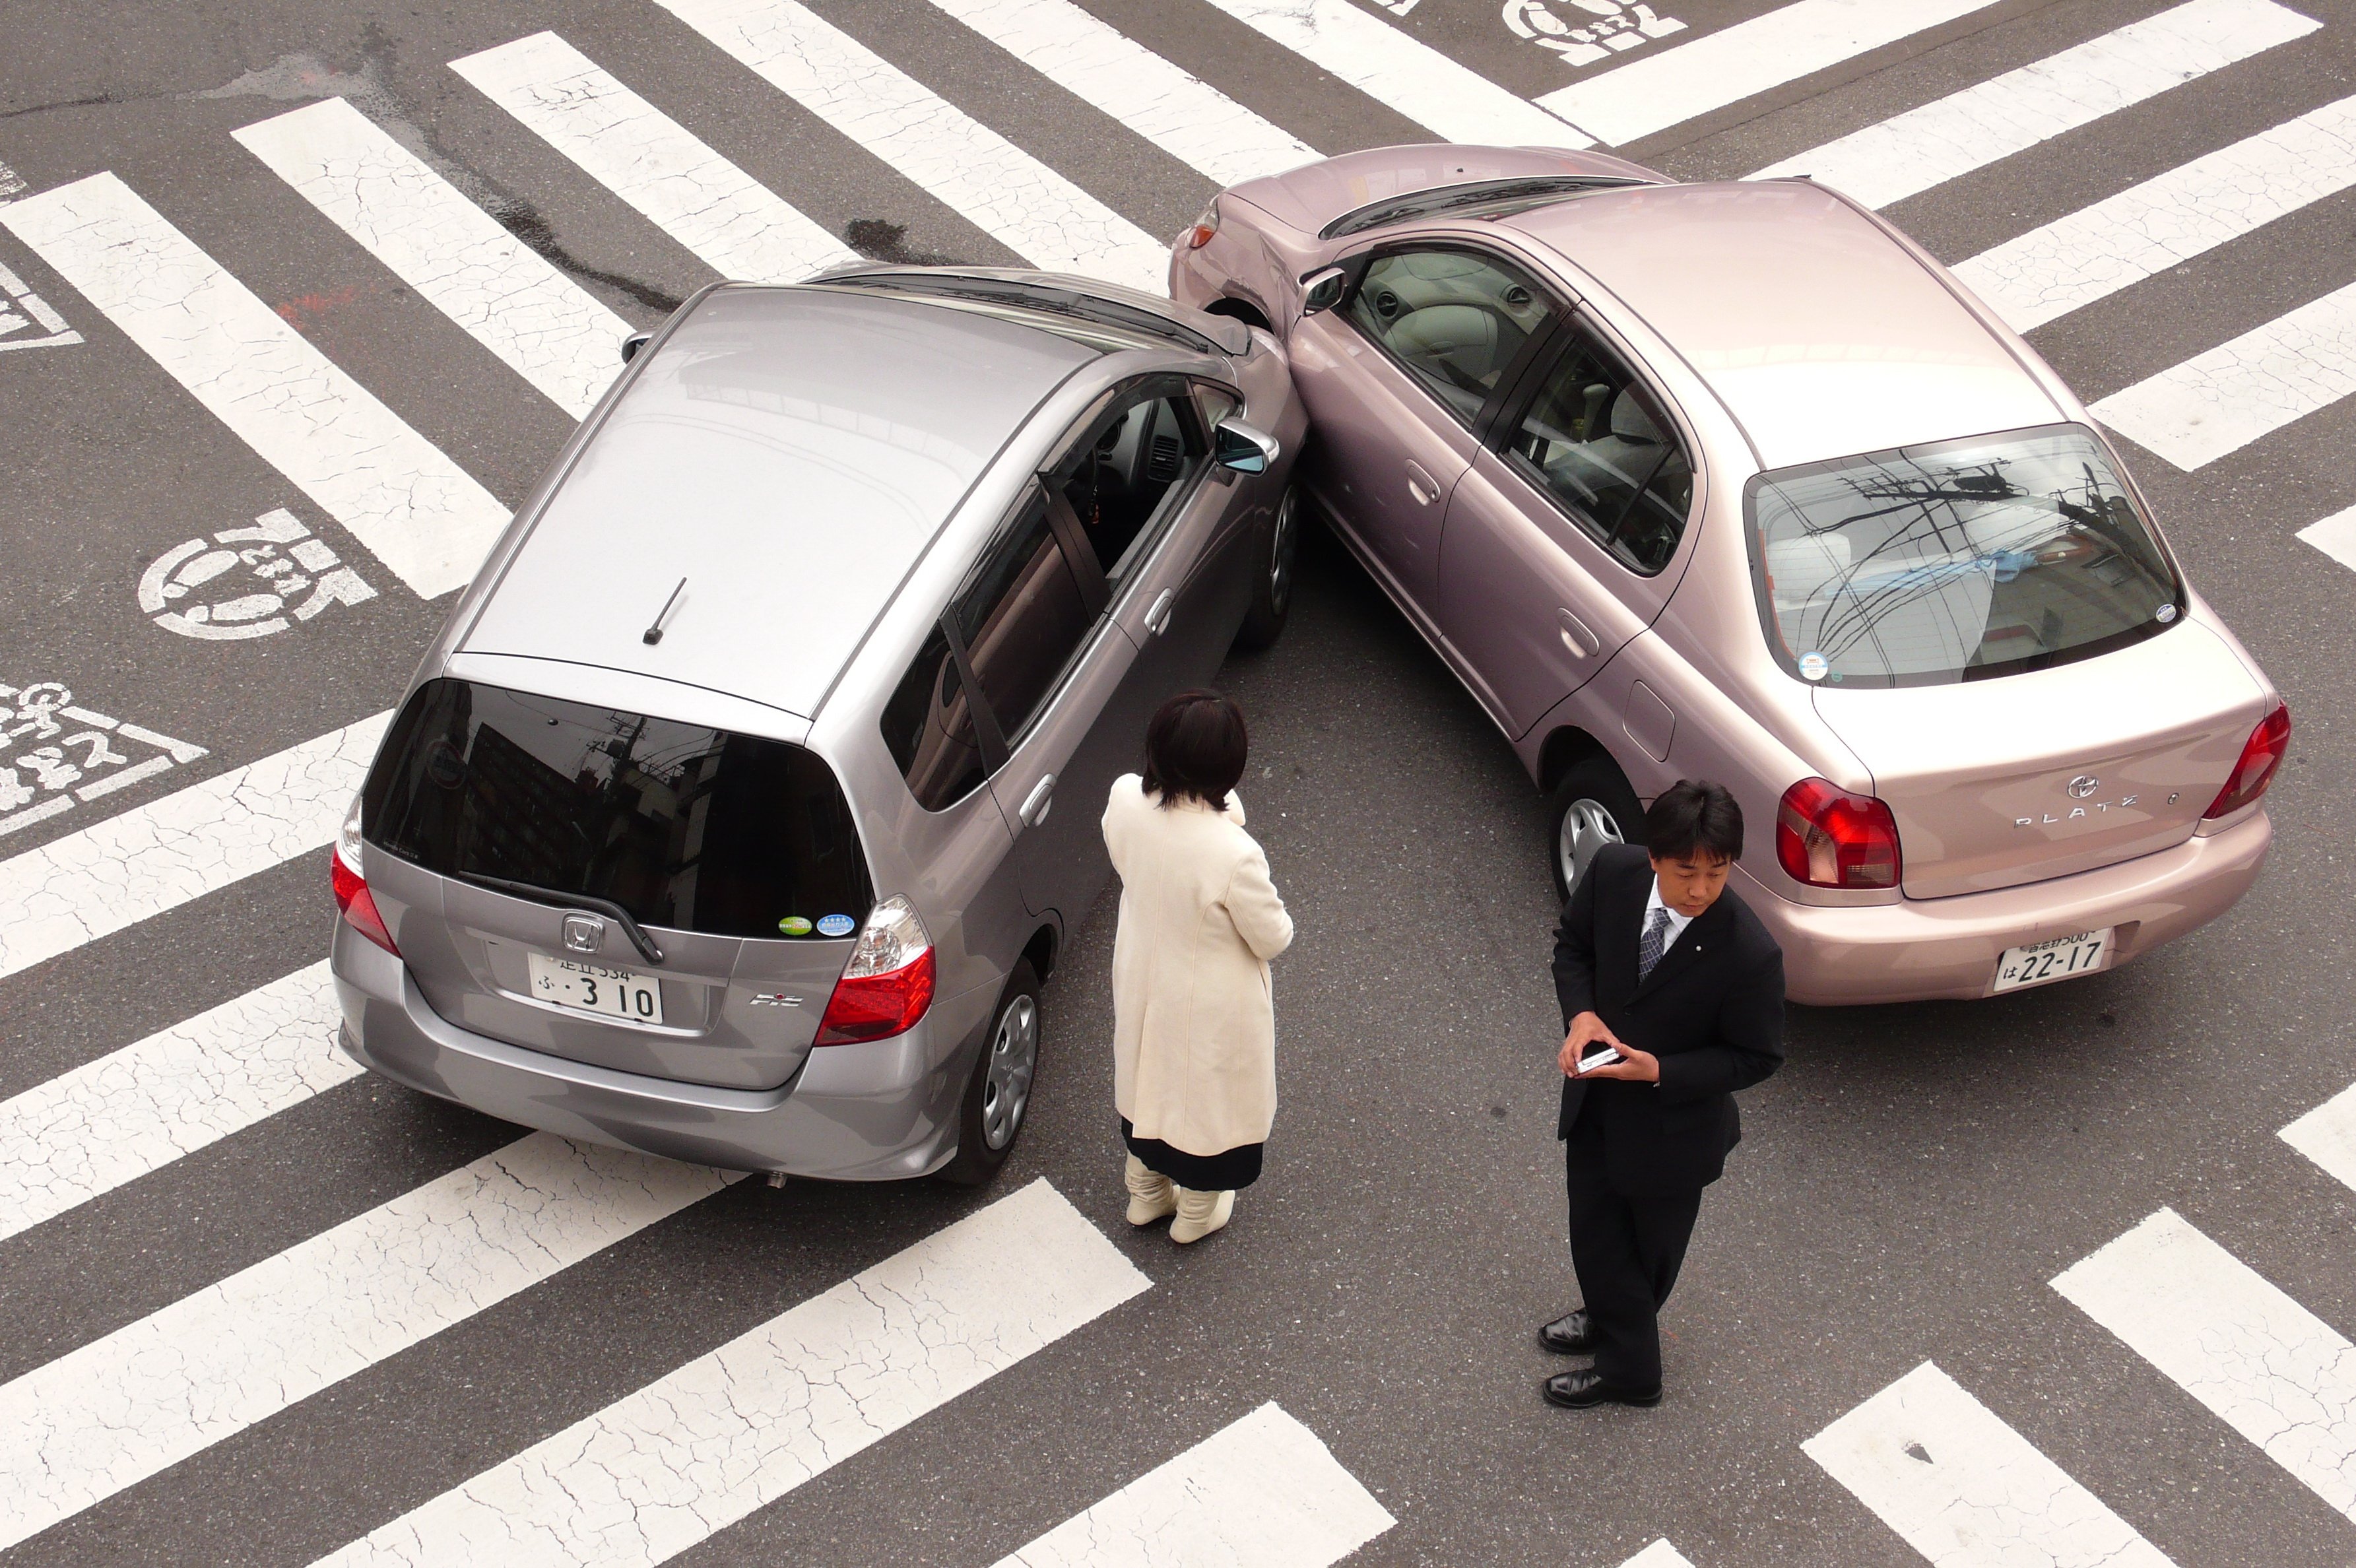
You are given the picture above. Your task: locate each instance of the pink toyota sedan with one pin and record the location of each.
(1734, 481)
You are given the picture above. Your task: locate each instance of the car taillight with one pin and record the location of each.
(2261, 755)
(1828, 837)
(888, 983)
(1206, 227)
(351, 888)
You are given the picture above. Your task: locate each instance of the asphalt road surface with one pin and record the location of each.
(212, 352)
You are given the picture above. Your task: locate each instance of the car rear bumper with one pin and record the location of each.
(884, 1111)
(1919, 950)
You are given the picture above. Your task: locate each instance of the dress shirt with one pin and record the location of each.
(1677, 923)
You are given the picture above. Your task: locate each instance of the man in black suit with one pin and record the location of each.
(1655, 959)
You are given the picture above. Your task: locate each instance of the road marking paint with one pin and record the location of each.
(731, 222)
(2336, 537)
(2194, 207)
(546, 327)
(1177, 112)
(79, 744)
(121, 1408)
(1682, 83)
(22, 298)
(1448, 99)
(11, 183)
(995, 186)
(2262, 1364)
(125, 780)
(1910, 152)
(2221, 401)
(1965, 1489)
(661, 1469)
(134, 1110)
(1263, 1492)
(156, 857)
(193, 589)
(50, 807)
(420, 513)
(2327, 1135)
(1660, 1554)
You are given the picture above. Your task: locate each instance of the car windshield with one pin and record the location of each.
(686, 827)
(1956, 562)
(1483, 198)
(1011, 295)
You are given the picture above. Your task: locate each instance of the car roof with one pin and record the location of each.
(790, 452)
(1821, 333)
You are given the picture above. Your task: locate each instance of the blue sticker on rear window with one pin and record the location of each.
(836, 925)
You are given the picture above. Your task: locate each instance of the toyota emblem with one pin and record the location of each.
(586, 933)
(2081, 787)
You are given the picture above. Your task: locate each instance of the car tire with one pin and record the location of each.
(998, 1095)
(1273, 564)
(1593, 806)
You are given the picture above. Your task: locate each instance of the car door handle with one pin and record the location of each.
(1036, 804)
(1421, 485)
(1157, 619)
(1575, 635)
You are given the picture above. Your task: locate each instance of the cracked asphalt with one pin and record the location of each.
(1908, 1186)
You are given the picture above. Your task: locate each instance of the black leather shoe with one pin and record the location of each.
(1584, 1391)
(1570, 1335)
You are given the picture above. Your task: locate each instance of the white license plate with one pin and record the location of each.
(595, 988)
(2057, 960)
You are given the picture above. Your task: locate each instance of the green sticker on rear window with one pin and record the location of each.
(794, 926)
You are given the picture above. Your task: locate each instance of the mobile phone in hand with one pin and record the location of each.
(1604, 1057)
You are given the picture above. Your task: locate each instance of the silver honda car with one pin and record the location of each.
(737, 813)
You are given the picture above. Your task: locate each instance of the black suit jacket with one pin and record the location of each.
(1712, 1011)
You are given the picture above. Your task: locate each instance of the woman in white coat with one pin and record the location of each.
(1193, 1024)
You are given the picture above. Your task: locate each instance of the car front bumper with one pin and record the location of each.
(884, 1110)
(1921, 949)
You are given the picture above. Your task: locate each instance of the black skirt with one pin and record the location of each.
(1222, 1172)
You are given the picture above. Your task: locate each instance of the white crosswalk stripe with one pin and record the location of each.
(1965, 1489)
(2218, 401)
(661, 1469)
(1924, 147)
(1261, 1493)
(122, 1408)
(546, 327)
(2336, 537)
(2262, 1364)
(732, 222)
(1660, 1554)
(134, 1110)
(417, 511)
(994, 185)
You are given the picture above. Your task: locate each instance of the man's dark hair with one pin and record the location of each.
(1694, 819)
(1195, 744)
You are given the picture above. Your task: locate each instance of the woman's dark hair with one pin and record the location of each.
(1195, 744)
(1694, 819)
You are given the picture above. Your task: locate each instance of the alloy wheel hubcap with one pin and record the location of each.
(1587, 826)
(1014, 1056)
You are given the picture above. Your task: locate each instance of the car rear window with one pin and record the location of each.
(687, 827)
(1956, 562)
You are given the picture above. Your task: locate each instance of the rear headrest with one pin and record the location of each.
(1443, 328)
(1632, 423)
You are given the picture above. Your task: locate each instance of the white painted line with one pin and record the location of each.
(994, 185)
(1660, 1554)
(2336, 537)
(136, 1111)
(2262, 1364)
(125, 780)
(11, 183)
(1659, 90)
(1396, 69)
(1965, 1489)
(662, 1469)
(546, 327)
(2220, 402)
(1910, 152)
(122, 1408)
(135, 866)
(1177, 112)
(735, 224)
(1261, 1493)
(2142, 231)
(30, 815)
(2327, 1135)
(415, 510)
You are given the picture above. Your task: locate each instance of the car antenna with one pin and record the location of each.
(653, 633)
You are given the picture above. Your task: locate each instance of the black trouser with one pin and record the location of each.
(1627, 1252)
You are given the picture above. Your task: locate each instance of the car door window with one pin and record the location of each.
(1022, 618)
(1594, 438)
(1128, 474)
(928, 728)
(1452, 319)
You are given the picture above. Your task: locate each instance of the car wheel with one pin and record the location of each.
(999, 1094)
(1593, 806)
(1272, 570)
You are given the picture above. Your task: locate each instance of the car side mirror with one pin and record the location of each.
(633, 343)
(1322, 290)
(1243, 448)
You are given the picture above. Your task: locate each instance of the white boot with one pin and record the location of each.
(1151, 1195)
(1200, 1213)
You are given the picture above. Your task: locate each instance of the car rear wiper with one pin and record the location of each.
(638, 937)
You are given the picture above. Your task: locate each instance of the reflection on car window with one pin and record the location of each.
(1594, 438)
(928, 728)
(1957, 561)
(1022, 618)
(1128, 476)
(1482, 198)
(1454, 320)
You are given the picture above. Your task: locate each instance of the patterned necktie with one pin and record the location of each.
(1655, 939)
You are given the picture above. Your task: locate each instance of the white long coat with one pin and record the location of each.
(1193, 1024)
